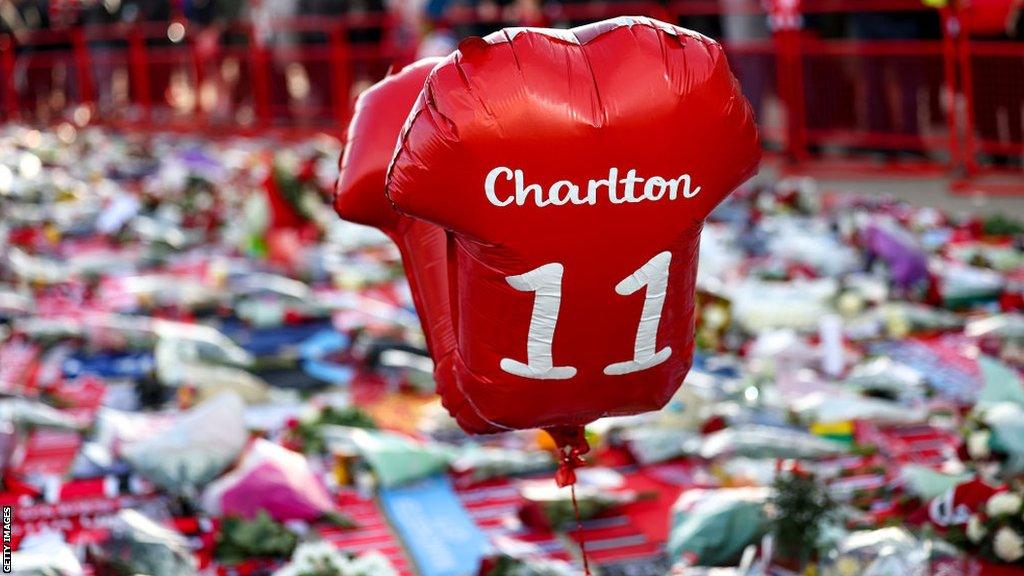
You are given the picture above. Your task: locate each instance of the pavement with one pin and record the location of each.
(936, 192)
(983, 195)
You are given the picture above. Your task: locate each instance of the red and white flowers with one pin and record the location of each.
(996, 531)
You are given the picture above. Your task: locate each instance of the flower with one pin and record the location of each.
(977, 444)
(1003, 504)
(975, 529)
(315, 553)
(1008, 545)
(322, 558)
(375, 563)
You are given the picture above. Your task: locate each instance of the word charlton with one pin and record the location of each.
(565, 192)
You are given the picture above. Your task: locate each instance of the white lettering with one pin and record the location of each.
(523, 192)
(686, 190)
(630, 181)
(492, 177)
(611, 182)
(649, 193)
(572, 196)
(564, 192)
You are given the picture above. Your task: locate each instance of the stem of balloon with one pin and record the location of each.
(572, 444)
(579, 530)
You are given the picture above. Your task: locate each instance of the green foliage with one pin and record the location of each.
(560, 513)
(985, 546)
(261, 537)
(504, 565)
(864, 449)
(1002, 225)
(309, 434)
(290, 186)
(802, 507)
(338, 520)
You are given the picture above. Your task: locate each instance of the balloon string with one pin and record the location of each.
(579, 530)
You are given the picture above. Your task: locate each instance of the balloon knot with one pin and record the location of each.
(570, 460)
(572, 444)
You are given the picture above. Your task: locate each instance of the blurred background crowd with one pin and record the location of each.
(933, 83)
(426, 15)
(478, 17)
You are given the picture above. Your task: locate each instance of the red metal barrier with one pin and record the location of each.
(7, 62)
(993, 74)
(240, 79)
(815, 96)
(884, 95)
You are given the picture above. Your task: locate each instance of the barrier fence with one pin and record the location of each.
(948, 103)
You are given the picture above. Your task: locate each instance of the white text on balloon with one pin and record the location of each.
(565, 192)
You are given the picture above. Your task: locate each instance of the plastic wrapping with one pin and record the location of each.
(517, 558)
(810, 242)
(962, 286)
(573, 169)
(196, 448)
(926, 483)
(1001, 383)
(758, 305)
(395, 459)
(884, 552)
(887, 377)
(767, 442)
(712, 527)
(23, 412)
(651, 444)
(1006, 423)
(273, 479)
(907, 262)
(46, 554)
(138, 545)
(485, 462)
(827, 407)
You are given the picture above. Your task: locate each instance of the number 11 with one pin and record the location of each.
(546, 282)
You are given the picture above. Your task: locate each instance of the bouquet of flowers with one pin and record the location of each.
(323, 559)
(136, 544)
(992, 440)
(261, 537)
(996, 532)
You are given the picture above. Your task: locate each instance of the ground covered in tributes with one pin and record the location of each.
(203, 371)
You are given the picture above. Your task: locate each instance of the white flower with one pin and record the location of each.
(977, 445)
(373, 563)
(315, 556)
(1008, 545)
(953, 467)
(1003, 504)
(323, 558)
(311, 553)
(975, 529)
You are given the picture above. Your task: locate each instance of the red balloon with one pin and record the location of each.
(573, 170)
(359, 197)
